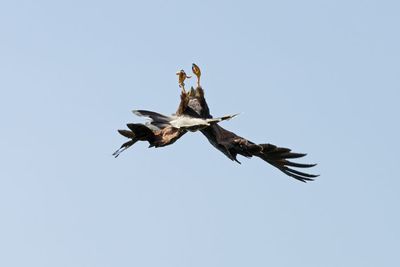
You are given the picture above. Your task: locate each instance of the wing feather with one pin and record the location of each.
(232, 145)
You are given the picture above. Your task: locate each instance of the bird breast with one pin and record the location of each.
(187, 122)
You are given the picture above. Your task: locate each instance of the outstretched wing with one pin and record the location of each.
(158, 132)
(279, 158)
(156, 138)
(136, 132)
(158, 120)
(182, 121)
(232, 145)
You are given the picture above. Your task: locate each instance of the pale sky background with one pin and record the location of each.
(321, 77)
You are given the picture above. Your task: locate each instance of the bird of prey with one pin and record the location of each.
(194, 105)
(164, 130)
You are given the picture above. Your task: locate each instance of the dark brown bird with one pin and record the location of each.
(195, 104)
(155, 137)
(192, 107)
(164, 130)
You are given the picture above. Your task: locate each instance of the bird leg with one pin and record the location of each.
(197, 72)
(181, 79)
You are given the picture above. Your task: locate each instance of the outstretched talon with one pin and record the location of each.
(197, 72)
(181, 79)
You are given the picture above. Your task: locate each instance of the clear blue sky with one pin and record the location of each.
(316, 76)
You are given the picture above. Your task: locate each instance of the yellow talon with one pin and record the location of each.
(197, 72)
(181, 78)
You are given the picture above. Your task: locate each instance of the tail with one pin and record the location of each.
(159, 120)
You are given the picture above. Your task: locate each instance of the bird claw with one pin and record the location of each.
(181, 78)
(196, 71)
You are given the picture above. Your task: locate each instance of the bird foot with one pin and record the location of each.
(196, 71)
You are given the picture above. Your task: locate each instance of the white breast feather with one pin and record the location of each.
(185, 122)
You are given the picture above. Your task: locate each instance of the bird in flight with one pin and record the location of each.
(193, 114)
(164, 130)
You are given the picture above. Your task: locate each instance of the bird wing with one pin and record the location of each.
(156, 119)
(185, 121)
(158, 132)
(232, 145)
(156, 138)
(219, 119)
(136, 132)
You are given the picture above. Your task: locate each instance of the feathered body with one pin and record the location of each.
(163, 130)
(193, 114)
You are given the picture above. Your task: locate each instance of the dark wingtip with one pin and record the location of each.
(298, 177)
(117, 153)
(291, 155)
(301, 176)
(126, 133)
(299, 165)
(124, 147)
(301, 173)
